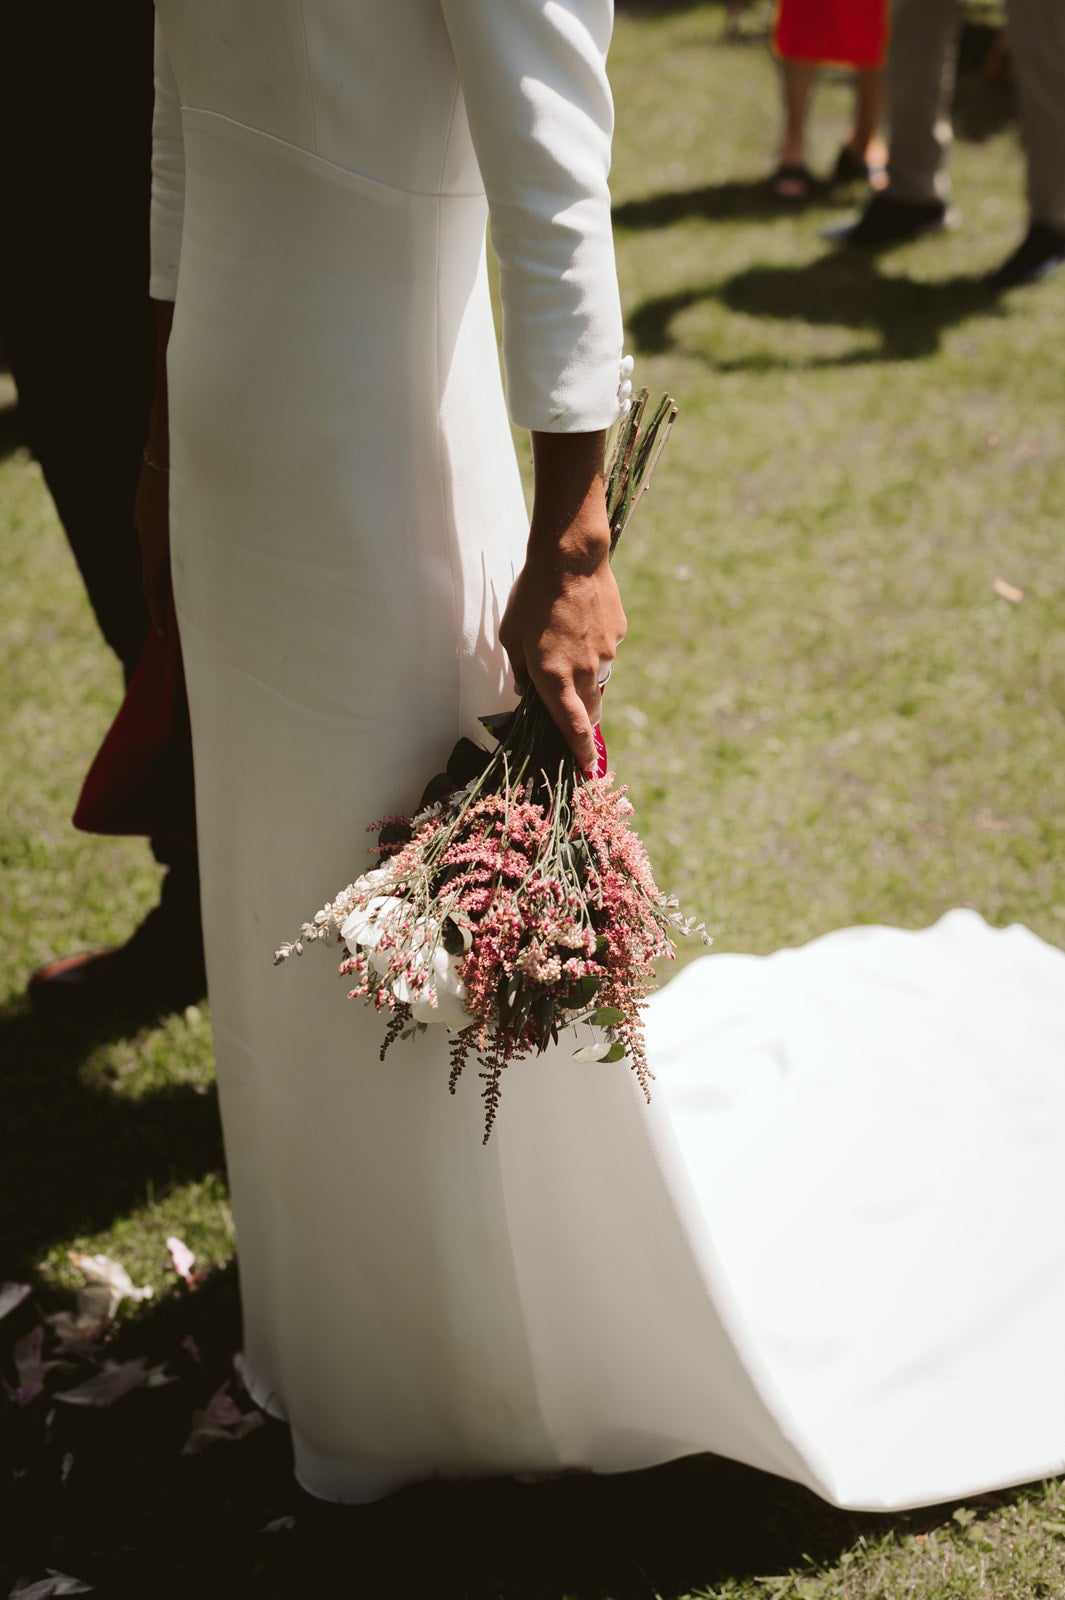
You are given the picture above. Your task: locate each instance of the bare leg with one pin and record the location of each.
(797, 79)
(866, 143)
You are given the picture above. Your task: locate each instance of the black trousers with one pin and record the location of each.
(75, 317)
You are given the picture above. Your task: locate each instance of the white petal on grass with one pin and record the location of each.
(77, 1331)
(55, 1584)
(220, 1421)
(1008, 591)
(182, 1257)
(12, 1295)
(113, 1276)
(30, 1368)
(115, 1380)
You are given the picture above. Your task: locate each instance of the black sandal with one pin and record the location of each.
(850, 168)
(792, 172)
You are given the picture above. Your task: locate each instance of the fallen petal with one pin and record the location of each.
(74, 1335)
(204, 1433)
(1008, 591)
(29, 1367)
(221, 1410)
(116, 1379)
(12, 1295)
(279, 1525)
(182, 1257)
(101, 1269)
(94, 1303)
(56, 1583)
(219, 1420)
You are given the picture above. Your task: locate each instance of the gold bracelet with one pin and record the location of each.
(156, 466)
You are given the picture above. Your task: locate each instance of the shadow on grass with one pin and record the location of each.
(713, 202)
(107, 1495)
(10, 431)
(843, 289)
(75, 1155)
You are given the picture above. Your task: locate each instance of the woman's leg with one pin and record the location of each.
(866, 142)
(797, 78)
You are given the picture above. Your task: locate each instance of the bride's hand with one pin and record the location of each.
(565, 620)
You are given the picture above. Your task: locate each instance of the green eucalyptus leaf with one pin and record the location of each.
(616, 1052)
(438, 787)
(466, 762)
(607, 1017)
(585, 987)
(499, 723)
(593, 1052)
(456, 937)
(585, 1016)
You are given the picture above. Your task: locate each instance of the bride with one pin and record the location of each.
(784, 1260)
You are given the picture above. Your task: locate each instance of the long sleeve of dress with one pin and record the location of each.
(533, 74)
(168, 178)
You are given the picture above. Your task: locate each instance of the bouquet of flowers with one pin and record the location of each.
(517, 900)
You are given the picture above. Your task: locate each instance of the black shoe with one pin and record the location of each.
(1039, 252)
(887, 221)
(851, 168)
(792, 183)
(114, 982)
(158, 970)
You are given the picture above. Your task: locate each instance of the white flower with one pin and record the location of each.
(450, 992)
(367, 925)
(374, 878)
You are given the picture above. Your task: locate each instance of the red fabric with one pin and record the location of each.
(141, 778)
(850, 33)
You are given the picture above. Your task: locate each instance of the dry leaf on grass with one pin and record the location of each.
(56, 1583)
(12, 1295)
(221, 1419)
(1008, 591)
(30, 1368)
(183, 1259)
(76, 1332)
(112, 1276)
(117, 1378)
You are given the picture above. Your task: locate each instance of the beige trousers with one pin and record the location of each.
(921, 72)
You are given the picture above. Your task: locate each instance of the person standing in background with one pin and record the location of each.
(921, 75)
(77, 327)
(808, 34)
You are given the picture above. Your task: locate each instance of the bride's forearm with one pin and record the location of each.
(565, 620)
(569, 522)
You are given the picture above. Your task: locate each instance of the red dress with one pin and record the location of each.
(850, 33)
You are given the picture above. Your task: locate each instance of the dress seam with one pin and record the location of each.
(310, 80)
(349, 172)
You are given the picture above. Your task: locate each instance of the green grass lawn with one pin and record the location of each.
(827, 715)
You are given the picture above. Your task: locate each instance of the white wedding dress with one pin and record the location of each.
(832, 1248)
